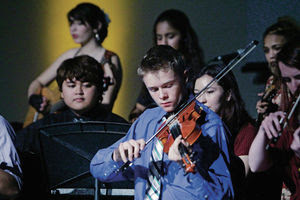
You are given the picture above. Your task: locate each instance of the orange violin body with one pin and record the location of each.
(186, 120)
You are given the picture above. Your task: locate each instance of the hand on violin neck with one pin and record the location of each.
(261, 107)
(174, 153)
(271, 125)
(128, 150)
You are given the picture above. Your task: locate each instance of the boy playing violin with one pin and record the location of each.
(285, 153)
(159, 175)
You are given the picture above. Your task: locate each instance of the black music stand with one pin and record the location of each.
(68, 148)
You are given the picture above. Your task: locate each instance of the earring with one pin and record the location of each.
(228, 98)
(97, 36)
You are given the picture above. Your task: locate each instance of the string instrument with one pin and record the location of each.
(268, 95)
(186, 120)
(284, 121)
(52, 95)
(185, 124)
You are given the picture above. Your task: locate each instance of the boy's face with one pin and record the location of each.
(79, 96)
(164, 87)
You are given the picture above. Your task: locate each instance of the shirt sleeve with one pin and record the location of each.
(244, 139)
(9, 159)
(104, 168)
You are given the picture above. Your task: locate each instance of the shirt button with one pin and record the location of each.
(105, 174)
(206, 196)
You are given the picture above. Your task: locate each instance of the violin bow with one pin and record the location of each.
(243, 53)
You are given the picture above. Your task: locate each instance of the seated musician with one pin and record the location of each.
(274, 37)
(81, 82)
(159, 174)
(224, 99)
(284, 153)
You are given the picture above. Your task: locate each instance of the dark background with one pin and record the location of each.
(30, 40)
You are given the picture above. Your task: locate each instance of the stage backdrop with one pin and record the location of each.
(34, 33)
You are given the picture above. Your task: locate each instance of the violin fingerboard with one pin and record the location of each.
(175, 129)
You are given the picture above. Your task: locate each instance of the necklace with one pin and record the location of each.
(77, 52)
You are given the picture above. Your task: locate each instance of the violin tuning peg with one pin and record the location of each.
(274, 140)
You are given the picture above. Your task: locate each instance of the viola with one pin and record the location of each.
(186, 121)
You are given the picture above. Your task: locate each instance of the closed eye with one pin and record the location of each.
(87, 84)
(297, 77)
(153, 89)
(286, 79)
(70, 85)
(170, 35)
(168, 85)
(277, 47)
(266, 50)
(210, 91)
(158, 37)
(196, 91)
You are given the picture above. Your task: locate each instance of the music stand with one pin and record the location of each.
(68, 148)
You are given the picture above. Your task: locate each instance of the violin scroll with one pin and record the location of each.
(268, 95)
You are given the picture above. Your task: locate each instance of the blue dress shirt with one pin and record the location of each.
(211, 181)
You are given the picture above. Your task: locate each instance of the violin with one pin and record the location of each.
(268, 95)
(185, 124)
(285, 121)
(187, 120)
